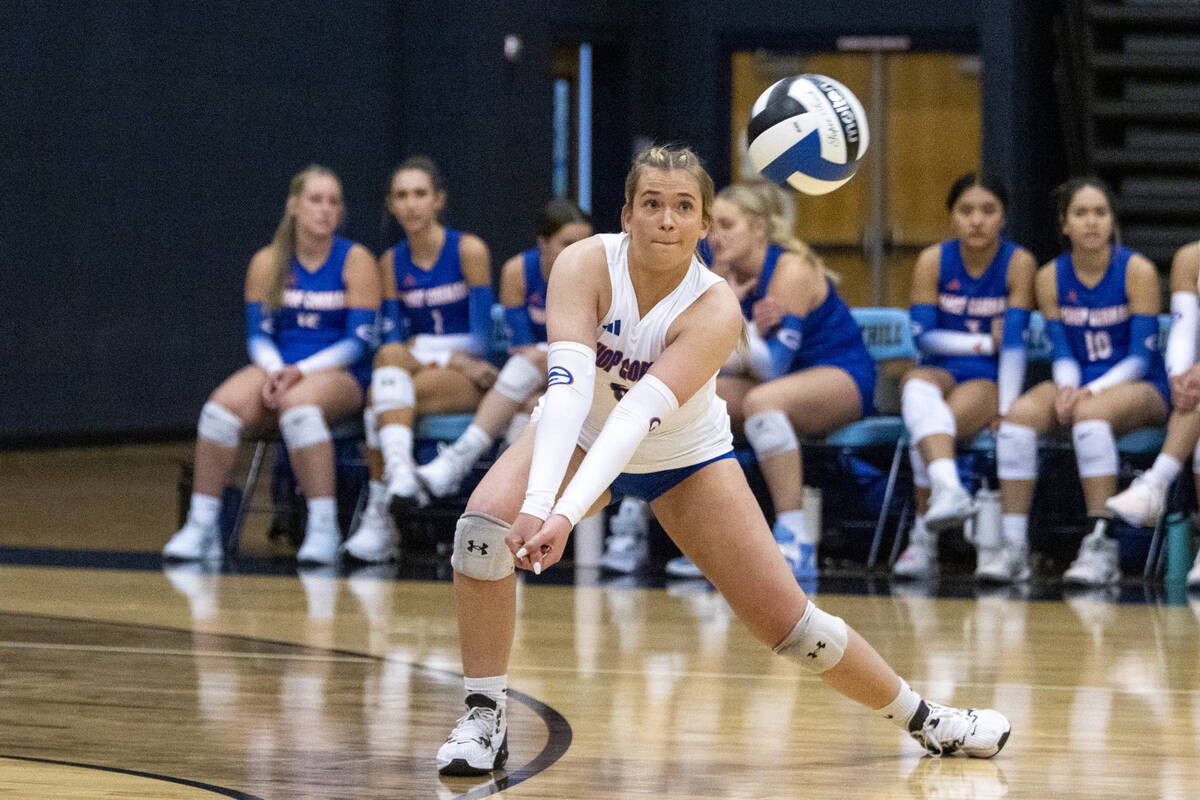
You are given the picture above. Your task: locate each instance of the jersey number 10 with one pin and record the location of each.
(1099, 345)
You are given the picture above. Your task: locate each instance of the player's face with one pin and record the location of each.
(978, 217)
(567, 235)
(1089, 219)
(665, 220)
(318, 208)
(733, 235)
(413, 201)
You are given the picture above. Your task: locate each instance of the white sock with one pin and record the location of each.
(495, 687)
(1164, 470)
(396, 441)
(900, 711)
(919, 531)
(377, 494)
(204, 510)
(1015, 527)
(473, 442)
(519, 422)
(943, 471)
(322, 508)
(795, 522)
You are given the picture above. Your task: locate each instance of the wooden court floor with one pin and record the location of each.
(143, 682)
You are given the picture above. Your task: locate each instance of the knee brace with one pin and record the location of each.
(1016, 452)
(925, 411)
(391, 389)
(518, 378)
(1095, 448)
(480, 551)
(219, 424)
(371, 428)
(919, 470)
(770, 434)
(818, 641)
(303, 426)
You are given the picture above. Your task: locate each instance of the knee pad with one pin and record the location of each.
(518, 379)
(1095, 448)
(303, 426)
(371, 428)
(391, 389)
(770, 434)
(1016, 452)
(818, 641)
(220, 425)
(480, 551)
(925, 411)
(919, 470)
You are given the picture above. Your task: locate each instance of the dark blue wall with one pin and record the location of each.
(148, 147)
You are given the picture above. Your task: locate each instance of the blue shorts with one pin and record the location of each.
(650, 485)
(863, 375)
(966, 368)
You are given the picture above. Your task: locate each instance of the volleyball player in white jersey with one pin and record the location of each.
(638, 329)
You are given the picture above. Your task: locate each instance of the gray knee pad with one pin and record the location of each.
(391, 389)
(518, 379)
(770, 433)
(480, 551)
(818, 641)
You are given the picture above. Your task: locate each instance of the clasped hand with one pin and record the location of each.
(538, 545)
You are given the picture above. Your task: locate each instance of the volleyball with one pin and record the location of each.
(808, 132)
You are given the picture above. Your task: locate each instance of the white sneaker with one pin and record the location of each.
(195, 542)
(1193, 576)
(682, 567)
(444, 474)
(322, 541)
(404, 491)
(1002, 564)
(376, 540)
(920, 558)
(1096, 564)
(479, 742)
(1141, 504)
(977, 733)
(628, 544)
(949, 506)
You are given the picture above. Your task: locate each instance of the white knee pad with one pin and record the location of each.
(518, 379)
(919, 470)
(818, 641)
(1016, 452)
(391, 388)
(303, 426)
(770, 434)
(1095, 448)
(480, 551)
(925, 411)
(219, 424)
(371, 428)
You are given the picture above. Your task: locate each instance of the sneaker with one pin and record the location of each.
(479, 742)
(1141, 504)
(442, 476)
(801, 556)
(404, 491)
(628, 544)
(920, 558)
(375, 541)
(322, 542)
(977, 733)
(195, 542)
(682, 567)
(1002, 564)
(949, 506)
(1096, 564)
(1193, 576)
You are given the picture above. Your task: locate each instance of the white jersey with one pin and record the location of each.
(626, 347)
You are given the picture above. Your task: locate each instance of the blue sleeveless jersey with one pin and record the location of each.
(434, 300)
(970, 305)
(1096, 319)
(535, 293)
(313, 312)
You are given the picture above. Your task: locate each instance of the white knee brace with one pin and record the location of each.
(919, 470)
(818, 641)
(925, 411)
(303, 426)
(1095, 448)
(391, 389)
(770, 434)
(480, 551)
(219, 424)
(518, 379)
(1016, 452)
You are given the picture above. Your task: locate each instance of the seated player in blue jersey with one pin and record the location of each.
(437, 312)
(807, 371)
(1101, 302)
(312, 299)
(971, 298)
(523, 377)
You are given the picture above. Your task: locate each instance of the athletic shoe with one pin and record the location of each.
(1141, 504)
(977, 733)
(195, 542)
(444, 474)
(404, 491)
(479, 742)
(322, 541)
(628, 544)
(375, 540)
(682, 567)
(920, 558)
(949, 506)
(1193, 576)
(1003, 564)
(1096, 564)
(801, 556)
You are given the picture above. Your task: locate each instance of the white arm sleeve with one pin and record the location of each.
(1130, 368)
(1065, 372)
(644, 406)
(338, 354)
(1011, 378)
(265, 354)
(571, 371)
(760, 355)
(1181, 341)
(942, 342)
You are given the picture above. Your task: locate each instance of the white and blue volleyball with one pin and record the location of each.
(808, 132)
